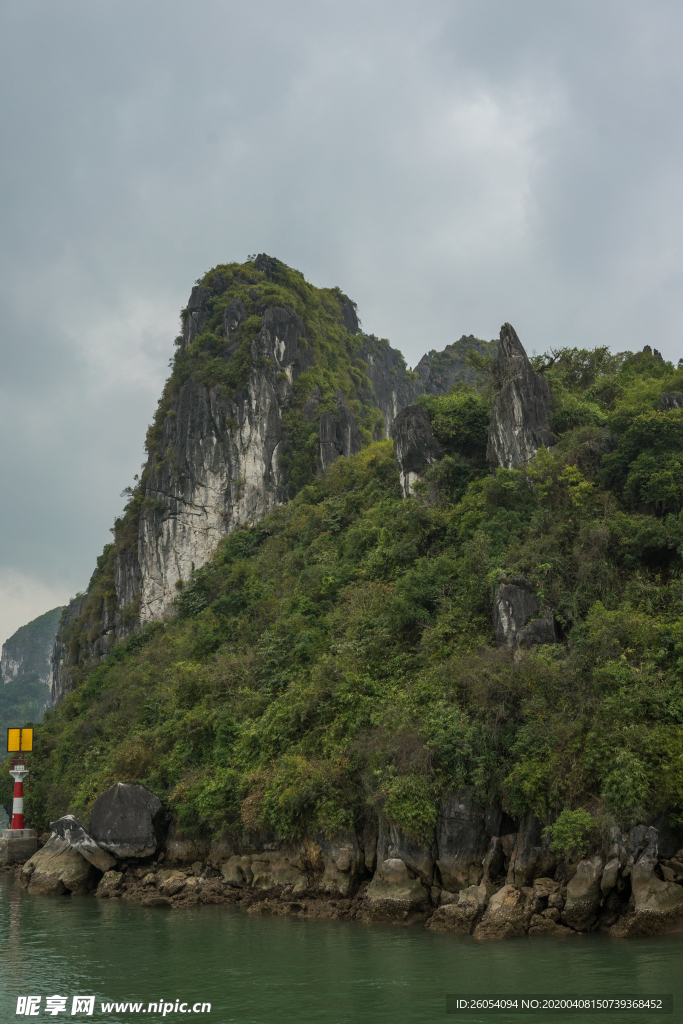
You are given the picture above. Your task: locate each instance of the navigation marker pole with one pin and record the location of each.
(18, 773)
(16, 842)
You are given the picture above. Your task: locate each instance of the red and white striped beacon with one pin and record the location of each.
(18, 773)
(17, 842)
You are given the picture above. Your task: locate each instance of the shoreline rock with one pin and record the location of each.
(475, 877)
(56, 869)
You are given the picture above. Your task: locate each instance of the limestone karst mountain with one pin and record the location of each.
(424, 683)
(272, 381)
(26, 671)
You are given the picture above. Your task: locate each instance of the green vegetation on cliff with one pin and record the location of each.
(337, 659)
(24, 688)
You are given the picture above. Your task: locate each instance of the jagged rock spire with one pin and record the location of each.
(519, 417)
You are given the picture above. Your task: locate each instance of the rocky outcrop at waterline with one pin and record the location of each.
(481, 874)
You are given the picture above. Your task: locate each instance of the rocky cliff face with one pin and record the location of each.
(218, 464)
(521, 408)
(28, 651)
(27, 671)
(273, 381)
(415, 447)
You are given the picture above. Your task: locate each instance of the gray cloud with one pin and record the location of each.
(450, 165)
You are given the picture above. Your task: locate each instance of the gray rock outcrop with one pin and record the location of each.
(339, 433)
(224, 469)
(462, 841)
(343, 863)
(71, 831)
(198, 313)
(265, 861)
(110, 884)
(415, 447)
(584, 894)
(657, 903)
(393, 843)
(518, 618)
(350, 317)
(123, 821)
(674, 400)
(56, 869)
(328, 877)
(508, 914)
(439, 371)
(399, 889)
(531, 856)
(521, 409)
(462, 916)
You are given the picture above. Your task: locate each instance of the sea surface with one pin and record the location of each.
(270, 970)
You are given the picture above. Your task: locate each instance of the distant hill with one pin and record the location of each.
(26, 670)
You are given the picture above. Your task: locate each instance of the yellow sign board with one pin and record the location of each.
(19, 740)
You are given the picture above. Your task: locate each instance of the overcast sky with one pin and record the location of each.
(450, 165)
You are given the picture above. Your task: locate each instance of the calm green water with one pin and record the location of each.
(287, 971)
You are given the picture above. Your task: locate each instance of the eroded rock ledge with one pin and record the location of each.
(483, 875)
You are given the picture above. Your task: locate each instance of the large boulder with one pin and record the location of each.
(415, 447)
(508, 914)
(518, 617)
(123, 820)
(71, 830)
(278, 868)
(584, 894)
(521, 409)
(462, 841)
(462, 916)
(56, 869)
